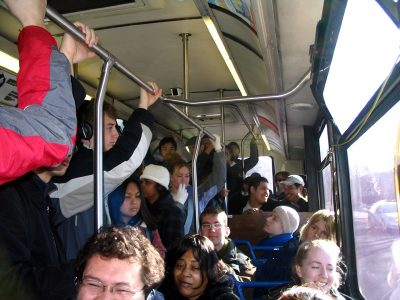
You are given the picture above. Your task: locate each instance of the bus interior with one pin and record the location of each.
(315, 82)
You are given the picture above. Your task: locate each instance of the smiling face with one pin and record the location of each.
(189, 279)
(319, 268)
(131, 205)
(259, 194)
(292, 192)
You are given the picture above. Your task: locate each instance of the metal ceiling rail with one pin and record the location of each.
(232, 100)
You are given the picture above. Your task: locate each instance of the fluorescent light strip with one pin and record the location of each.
(9, 62)
(221, 47)
(12, 64)
(265, 139)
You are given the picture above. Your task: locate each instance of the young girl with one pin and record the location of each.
(317, 263)
(128, 208)
(192, 271)
(321, 225)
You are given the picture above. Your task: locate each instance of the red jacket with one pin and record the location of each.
(42, 130)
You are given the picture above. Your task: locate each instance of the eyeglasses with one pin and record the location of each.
(120, 290)
(207, 226)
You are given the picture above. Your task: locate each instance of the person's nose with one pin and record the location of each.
(324, 272)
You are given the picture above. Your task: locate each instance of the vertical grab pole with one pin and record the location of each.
(98, 144)
(222, 110)
(194, 174)
(185, 42)
(241, 146)
(334, 178)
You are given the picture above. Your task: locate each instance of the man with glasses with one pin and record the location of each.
(120, 263)
(214, 226)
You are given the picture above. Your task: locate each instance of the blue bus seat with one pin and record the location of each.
(252, 249)
(239, 285)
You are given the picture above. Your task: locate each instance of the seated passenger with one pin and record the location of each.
(279, 189)
(280, 226)
(318, 262)
(42, 130)
(214, 226)
(119, 262)
(169, 217)
(304, 292)
(259, 196)
(237, 202)
(321, 225)
(293, 189)
(192, 272)
(128, 207)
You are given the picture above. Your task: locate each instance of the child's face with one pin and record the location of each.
(318, 268)
(131, 205)
(273, 225)
(316, 231)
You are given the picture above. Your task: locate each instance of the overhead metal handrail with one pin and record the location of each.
(100, 51)
(231, 100)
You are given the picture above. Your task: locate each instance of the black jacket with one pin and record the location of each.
(170, 219)
(36, 259)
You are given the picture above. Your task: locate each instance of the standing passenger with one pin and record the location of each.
(38, 267)
(42, 130)
(128, 207)
(123, 155)
(169, 217)
(181, 191)
(236, 167)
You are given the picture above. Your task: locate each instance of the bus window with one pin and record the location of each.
(372, 184)
(327, 179)
(323, 143)
(264, 167)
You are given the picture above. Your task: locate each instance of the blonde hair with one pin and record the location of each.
(326, 246)
(324, 215)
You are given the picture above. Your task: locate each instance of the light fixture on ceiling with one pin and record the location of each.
(265, 139)
(12, 64)
(9, 62)
(221, 47)
(301, 106)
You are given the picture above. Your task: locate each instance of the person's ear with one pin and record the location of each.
(298, 271)
(227, 231)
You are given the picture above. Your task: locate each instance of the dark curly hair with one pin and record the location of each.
(123, 243)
